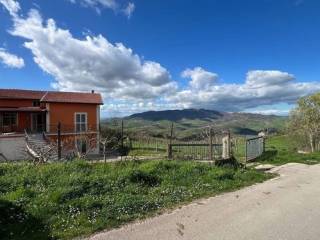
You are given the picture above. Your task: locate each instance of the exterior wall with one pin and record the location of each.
(15, 103)
(68, 142)
(24, 120)
(65, 113)
(13, 148)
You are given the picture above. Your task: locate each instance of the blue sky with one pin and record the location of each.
(249, 55)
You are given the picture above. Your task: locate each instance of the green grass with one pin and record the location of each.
(65, 200)
(281, 150)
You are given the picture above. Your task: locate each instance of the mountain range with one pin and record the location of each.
(189, 122)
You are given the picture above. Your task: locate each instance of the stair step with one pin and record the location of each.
(39, 145)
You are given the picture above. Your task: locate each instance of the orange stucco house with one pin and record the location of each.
(40, 112)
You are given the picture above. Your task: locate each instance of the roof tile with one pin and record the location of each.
(52, 96)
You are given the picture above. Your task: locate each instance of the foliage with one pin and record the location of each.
(64, 200)
(305, 122)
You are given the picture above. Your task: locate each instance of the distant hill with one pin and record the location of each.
(178, 115)
(189, 122)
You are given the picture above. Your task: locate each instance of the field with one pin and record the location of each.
(281, 150)
(65, 200)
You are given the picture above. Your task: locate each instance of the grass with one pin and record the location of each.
(281, 150)
(65, 200)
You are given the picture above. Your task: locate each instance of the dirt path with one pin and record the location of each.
(287, 207)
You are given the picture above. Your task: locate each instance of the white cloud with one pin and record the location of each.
(259, 78)
(270, 112)
(129, 9)
(260, 88)
(131, 84)
(12, 6)
(91, 63)
(10, 60)
(200, 79)
(115, 5)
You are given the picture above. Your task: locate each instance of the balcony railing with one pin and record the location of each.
(52, 129)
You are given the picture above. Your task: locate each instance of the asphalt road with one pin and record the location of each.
(287, 207)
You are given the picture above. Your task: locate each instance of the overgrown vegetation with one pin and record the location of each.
(282, 149)
(64, 200)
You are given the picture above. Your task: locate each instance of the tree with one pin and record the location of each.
(305, 120)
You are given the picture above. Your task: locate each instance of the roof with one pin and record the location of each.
(72, 97)
(20, 94)
(23, 109)
(52, 96)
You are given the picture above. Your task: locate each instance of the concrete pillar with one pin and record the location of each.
(226, 146)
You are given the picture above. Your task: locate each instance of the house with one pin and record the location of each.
(38, 113)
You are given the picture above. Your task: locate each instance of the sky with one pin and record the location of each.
(255, 56)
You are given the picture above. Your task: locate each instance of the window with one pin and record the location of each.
(36, 103)
(81, 122)
(9, 119)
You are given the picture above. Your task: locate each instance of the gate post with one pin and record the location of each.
(226, 146)
(210, 145)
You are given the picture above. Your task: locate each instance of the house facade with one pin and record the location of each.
(38, 113)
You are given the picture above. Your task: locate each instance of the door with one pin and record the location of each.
(38, 122)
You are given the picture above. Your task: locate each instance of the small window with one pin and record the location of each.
(36, 103)
(9, 119)
(81, 122)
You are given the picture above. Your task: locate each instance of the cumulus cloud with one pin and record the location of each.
(10, 60)
(131, 84)
(12, 6)
(111, 4)
(93, 62)
(200, 78)
(259, 78)
(260, 88)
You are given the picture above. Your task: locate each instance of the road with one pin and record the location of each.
(286, 207)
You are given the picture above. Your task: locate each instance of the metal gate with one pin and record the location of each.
(254, 147)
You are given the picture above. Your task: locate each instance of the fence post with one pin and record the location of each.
(171, 133)
(121, 134)
(59, 141)
(246, 151)
(169, 151)
(104, 152)
(226, 146)
(210, 145)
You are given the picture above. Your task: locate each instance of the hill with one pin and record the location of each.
(189, 122)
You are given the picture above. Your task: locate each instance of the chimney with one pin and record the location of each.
(92, 91)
